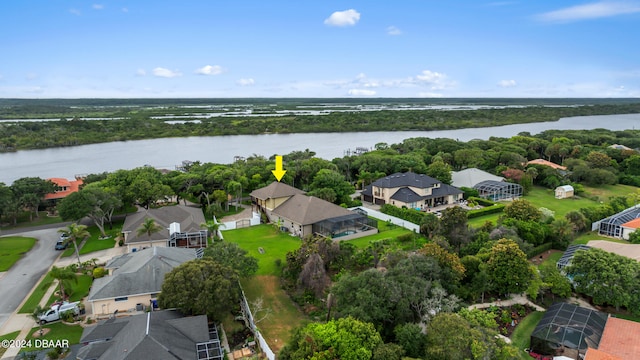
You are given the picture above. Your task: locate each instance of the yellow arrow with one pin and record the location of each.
(278, 172)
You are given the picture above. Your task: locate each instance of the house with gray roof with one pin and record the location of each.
(411, 190)
(180, 228)
(470, 177)
(135, 279)
(303, 215)
(157, 335)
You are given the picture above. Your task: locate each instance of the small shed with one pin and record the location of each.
(564, 191)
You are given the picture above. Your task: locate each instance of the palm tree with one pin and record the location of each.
(212, 227)
(148, 227)
(65, 277)
(35, 315)
(73, 233)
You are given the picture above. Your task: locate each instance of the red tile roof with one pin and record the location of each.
(70, 187)
(620, 338)
(593, 354)
(633, 224)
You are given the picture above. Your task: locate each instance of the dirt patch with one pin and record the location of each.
(540, 258)
(37, 334)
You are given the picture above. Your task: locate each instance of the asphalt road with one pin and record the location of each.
(16, 283)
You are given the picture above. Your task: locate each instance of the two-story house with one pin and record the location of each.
(411, 190)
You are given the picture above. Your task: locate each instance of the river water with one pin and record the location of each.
(168, 152)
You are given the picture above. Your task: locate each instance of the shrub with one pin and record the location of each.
(539, 249)
(99, 272)
(405, 238)
(481, 201)
(496, 208)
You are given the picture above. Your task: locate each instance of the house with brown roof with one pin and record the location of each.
(180, 228)
(303, 215)
(621, 338)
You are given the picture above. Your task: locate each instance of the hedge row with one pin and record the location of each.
(410, 215)
(481, 201)
(539, 249)
(493, 209)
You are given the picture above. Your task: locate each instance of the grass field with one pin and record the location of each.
(23, 220)
(94, 242)
(36, 295)
(284, 316)
(542, 197)
(12, 248)
(58, 331)
(386, 232)
(275, 244)
(78, 290)
(522, 334)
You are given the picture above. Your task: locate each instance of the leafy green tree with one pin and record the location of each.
(75, 232)
(454, 227)
(201, 286)
(521, 209)
(450, 336)
(148, 227)
(29, 192)
(388, 351)
(92, 201)
(508, 267)
(598, 159)
(559, 285)
(561, 233)
(330, 179)
(412, 339)
(345, 338)
(577, 220)
(65, 277)
(440, 170)
(634, 237)
(233, 256)
(607, 277)
(212, 227)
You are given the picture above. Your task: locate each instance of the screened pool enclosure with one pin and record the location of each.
(498, 190)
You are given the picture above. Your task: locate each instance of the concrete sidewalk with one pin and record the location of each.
(515, 299)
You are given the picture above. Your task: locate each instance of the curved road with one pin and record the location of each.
(16, 283)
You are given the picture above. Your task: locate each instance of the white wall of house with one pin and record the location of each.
(108, 306)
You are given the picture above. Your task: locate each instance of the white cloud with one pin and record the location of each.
(141, 72)
(392, 30)
(590, 11)
(431, 77)
(507, 83)
(343, 18)
(166, 73)
(210, 70)
(361, 92)
(246, 82)
(97, 6)
(75, 12)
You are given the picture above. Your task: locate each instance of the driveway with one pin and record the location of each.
(25, 274)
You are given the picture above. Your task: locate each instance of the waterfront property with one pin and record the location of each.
(411, 190)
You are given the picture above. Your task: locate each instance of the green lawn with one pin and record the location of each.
(543, 197)
(284, 316)
(94, 242)
(78, 290)
(58, 331)
(36, 296)
(593, 235)
(522, 334)
(386, 232)
(12, 248)
(23, 220)
(275, 244)
(9, 336)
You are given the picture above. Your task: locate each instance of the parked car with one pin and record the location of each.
(61, 244)
(55, 313)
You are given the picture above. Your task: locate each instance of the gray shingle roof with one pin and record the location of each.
(170, 336)
(275, 190)
(188, 217)
(307, 210)
(140, 272)
(406, 179)
(406, 195)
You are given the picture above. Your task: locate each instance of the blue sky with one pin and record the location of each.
(261, 48)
